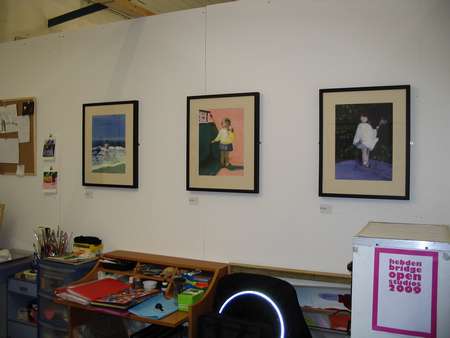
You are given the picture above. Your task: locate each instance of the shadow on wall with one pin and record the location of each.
(124, 59)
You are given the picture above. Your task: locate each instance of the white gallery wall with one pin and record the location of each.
(285, 49)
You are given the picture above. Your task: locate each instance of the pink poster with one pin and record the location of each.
(405, 292)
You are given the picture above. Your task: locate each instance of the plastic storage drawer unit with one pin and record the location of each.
(54, 318)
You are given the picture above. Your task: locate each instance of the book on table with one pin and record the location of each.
(85, 293)
(97, 289)
(124, 299)
(106, 292)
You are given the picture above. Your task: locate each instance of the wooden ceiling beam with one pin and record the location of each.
(125, 7)
(78, 13)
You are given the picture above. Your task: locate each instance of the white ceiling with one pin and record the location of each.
(26, 18)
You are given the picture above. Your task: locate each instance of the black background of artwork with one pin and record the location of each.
(347, 120)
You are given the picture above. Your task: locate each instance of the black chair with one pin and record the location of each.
(249, 305)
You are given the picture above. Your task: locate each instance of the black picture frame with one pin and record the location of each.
(248, 105)
(123, 178)
(344, 103)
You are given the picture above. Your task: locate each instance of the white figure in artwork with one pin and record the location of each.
(366, 138)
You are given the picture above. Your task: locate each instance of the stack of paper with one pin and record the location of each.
(87, 292)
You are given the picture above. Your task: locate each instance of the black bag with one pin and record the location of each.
(217, 326)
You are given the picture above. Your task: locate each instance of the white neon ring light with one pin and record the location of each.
(263, 296)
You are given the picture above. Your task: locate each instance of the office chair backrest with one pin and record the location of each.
(265, 299)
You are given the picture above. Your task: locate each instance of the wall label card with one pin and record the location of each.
(405, 292)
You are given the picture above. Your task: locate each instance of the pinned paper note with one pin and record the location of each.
(9, 150)
(23, 128)
(8, 119)
(20, 170)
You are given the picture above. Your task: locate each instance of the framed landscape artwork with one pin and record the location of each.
(365, 142)
(223, 143)
(110, 144)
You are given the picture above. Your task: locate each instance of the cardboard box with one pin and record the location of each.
(87, 250)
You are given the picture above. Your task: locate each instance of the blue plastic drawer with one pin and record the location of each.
(22, 287)
(54, 275)
(50, 331)
(52, 313)
(59, 268)
(49, 281)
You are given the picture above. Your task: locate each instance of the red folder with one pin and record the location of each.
(97, 289)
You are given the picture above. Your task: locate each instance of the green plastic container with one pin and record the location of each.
(189, 297)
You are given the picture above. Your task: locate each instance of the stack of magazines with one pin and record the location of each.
(108, 292)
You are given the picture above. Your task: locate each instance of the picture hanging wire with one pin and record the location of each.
(206, 46)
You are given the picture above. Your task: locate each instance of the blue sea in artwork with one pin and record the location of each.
(108, 144)
(354, 170)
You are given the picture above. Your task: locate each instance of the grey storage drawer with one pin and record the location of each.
(19, 330)
(56, 314)
(54, 318)
(22, 287)
(8, 269)
(51, 278)
(51, 331)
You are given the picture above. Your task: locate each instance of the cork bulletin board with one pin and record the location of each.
(27, 150)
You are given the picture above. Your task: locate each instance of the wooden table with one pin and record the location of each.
(83, 314)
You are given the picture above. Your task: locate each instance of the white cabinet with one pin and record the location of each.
(401, 281)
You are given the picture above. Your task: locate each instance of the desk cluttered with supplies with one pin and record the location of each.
(140, 289)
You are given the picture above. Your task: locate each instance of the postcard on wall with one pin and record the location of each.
(223, 143)
(364, 142)
(48, 151)
(50, 181)
(110, 144)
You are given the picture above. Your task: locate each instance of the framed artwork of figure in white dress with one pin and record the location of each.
(365, 142)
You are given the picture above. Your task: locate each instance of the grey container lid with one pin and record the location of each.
(423, 236)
